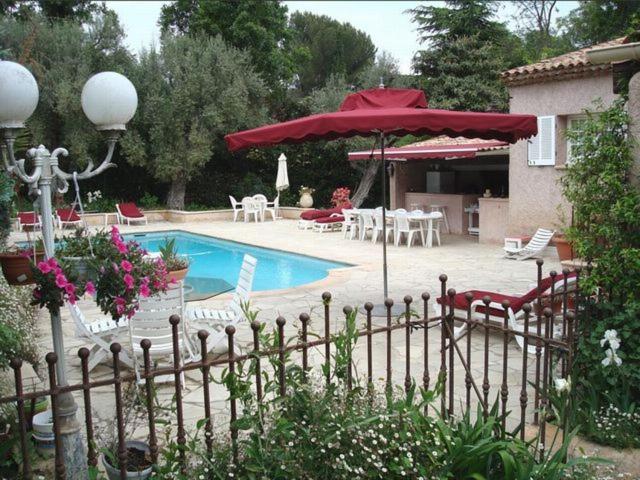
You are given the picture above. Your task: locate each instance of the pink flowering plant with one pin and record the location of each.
(125, 275)
(340, 196)
(53, 286)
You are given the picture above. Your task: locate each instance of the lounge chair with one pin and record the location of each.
(28, 219)
(151, 321)
(236, 206)
(67, 217)
(129, 212)
(233, 314)
(534, 248)
(328, 224)
(101, 333)
(496, 310)
(308, 218)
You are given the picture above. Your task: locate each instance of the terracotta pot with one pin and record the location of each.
(563, 247)
(178, 275)
(16, 267)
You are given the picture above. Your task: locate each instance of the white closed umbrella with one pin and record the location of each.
(282, 180)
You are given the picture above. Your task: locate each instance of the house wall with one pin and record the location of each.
(535, 198)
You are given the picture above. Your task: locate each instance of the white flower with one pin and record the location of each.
(563, 384)
(610, 336)
(611, 357)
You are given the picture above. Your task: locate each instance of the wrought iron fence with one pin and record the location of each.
(551, 312)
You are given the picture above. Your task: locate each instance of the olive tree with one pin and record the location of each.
(192, 92)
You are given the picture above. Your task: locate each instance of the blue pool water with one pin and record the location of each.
(215, 263)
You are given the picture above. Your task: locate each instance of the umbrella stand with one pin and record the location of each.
(380, 309)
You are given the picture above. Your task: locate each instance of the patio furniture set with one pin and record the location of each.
(366, 224)
(150, 322)
(69, 217)
(257, 207)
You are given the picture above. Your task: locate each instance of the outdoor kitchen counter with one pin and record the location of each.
(454, 203)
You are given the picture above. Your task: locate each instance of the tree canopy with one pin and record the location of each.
(78, 10)
(258, 26)
(326, 47)
(192, 92)
(596, 21)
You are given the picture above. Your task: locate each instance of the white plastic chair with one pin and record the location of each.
(151, 321)
(436, 225)
(250, 207)
(350, 224)
(236, 206)
(272, 208)
(261, 204)
(404, 227)
(377, 227)
(366, 224)
(534, 248)
(101, 333)
(233, 313)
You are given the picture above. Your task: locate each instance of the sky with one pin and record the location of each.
(386, 22)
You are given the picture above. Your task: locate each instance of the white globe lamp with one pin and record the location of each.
(18, 95)
(109, 100)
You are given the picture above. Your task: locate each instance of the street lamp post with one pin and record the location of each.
(109, 100)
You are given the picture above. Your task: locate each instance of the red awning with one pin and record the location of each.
(415, 152)
(371, 112)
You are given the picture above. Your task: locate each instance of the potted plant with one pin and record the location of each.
(562, 244)
(306, 200)
(139, 464)
(17, 263)
(340, 197)
(176, 265)
(75, 251)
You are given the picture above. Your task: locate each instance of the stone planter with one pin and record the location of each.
(82, 267)
(306, 200)
(134, 448)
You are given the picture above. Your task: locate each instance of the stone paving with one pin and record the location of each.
(411, 272)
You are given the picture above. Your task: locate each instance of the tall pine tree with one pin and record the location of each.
(464, 58)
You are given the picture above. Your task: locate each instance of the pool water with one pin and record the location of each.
(215, 264)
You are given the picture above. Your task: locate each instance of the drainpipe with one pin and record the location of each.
(622, 53)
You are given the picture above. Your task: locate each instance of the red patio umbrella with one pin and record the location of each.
(383, 112)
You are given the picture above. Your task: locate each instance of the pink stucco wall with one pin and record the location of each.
(535, 198)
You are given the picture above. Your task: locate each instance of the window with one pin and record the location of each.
(575, 122)
(541, 150)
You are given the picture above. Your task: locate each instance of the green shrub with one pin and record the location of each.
(150, 201)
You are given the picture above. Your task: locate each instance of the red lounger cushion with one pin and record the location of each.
(28, 218)
(130, 210)
(338, 218)
(68, 215)
(315, 214)
(516, 303)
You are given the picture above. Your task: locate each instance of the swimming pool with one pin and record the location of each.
(215, 263)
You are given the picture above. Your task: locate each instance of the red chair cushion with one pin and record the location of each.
(28, 218)
(515, 302)
(130, 210)
(315, 214)
(68, 215)
(338, 218)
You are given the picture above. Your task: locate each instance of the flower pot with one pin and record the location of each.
(81, 267)
(43, 435)
(306, 200)
(16, 268)
(563, 247)
(178, 275)
(137, 452)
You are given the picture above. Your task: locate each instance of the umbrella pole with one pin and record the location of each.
(384, 217)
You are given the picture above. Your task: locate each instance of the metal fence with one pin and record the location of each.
(550, 352)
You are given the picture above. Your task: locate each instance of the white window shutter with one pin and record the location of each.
(541, 149)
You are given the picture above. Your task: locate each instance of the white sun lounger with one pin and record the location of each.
(534, 248)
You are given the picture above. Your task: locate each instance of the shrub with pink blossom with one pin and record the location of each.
(340, 196)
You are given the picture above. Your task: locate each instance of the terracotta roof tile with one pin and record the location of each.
(569, 65)
(443, 140)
